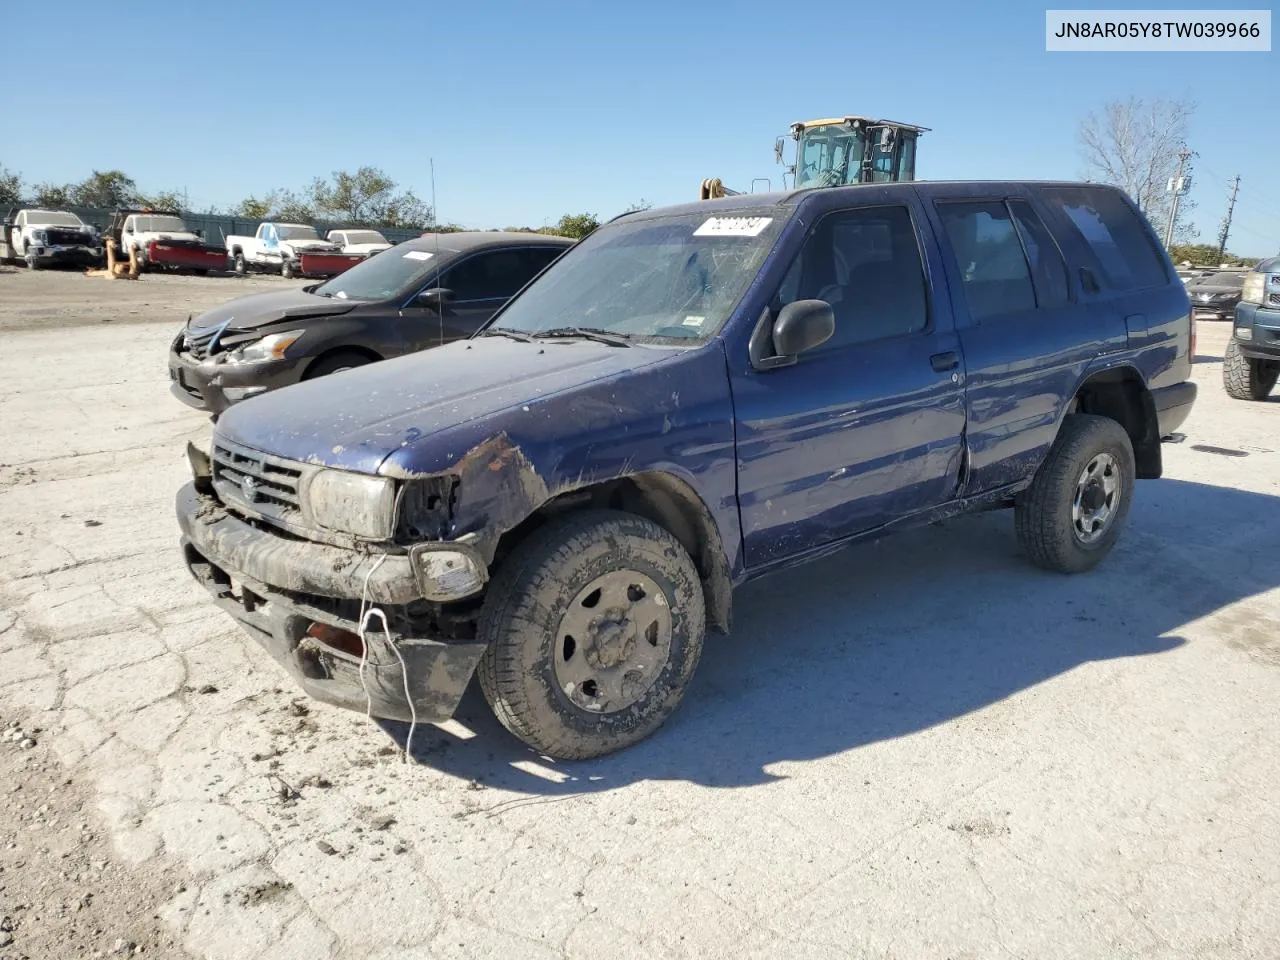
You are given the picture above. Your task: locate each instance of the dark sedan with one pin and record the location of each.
(1214, 297)
(419, 294)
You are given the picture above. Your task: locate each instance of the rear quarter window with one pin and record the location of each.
(1119, 237)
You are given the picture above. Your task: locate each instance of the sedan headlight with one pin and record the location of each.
(268, 348)
(354, 503)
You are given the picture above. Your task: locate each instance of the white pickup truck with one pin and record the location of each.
(277, 246)
(43, 237)
(141, 229)
(364, 242)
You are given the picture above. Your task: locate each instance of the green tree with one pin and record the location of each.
(52, 194)
(10, 186)
(291, 208)
(253, 208)
(368, 196)
(164, 200)
(110, 188)
(575, 225)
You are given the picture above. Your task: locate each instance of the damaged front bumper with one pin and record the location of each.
(301, 601)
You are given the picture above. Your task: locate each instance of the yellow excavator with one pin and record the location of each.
(838, 151)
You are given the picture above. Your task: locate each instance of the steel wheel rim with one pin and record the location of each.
(612, 642)
(1097, 498)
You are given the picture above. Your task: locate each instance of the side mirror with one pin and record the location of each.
(199, 233)
(435, 297)
(801, 326)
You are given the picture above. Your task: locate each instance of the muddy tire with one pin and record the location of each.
(1072, 514)
(594, 625)
(287, 269)
(238, 265)
(1246, 378)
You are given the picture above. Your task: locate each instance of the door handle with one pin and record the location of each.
(942, 362)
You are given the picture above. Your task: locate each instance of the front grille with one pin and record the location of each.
(1273, 299)
(67, 237)
(202, 342)
(258, 483)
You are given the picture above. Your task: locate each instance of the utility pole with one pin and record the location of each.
(1226, 221)
(1175, 187)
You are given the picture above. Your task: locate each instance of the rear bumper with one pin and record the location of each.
(281, 589)
(211, 386)
(1173, 405)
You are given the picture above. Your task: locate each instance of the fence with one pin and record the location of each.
(216, 227)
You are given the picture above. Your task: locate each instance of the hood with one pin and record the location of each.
(309, 244)
(260, 309)
(1199, 288)
(356, 419)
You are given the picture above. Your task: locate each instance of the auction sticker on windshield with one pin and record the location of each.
(417, 255)
(733, 227)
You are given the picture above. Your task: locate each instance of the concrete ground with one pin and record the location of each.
(920, 748)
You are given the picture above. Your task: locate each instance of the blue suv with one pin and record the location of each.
(689, 399)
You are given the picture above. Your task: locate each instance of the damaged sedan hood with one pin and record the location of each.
(397, 408)
(260, 309)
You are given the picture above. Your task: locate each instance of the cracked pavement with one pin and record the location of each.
(919, 748)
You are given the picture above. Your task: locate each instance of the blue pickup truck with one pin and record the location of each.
(1251, 365)
(689, 399)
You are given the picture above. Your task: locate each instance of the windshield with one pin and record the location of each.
(51, 219)
(828, 156)
(667, 277)
(389, 274)
(1222, 280)
(365, 236)
(159, 224)
(297, 233)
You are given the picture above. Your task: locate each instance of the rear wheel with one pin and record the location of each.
(336, 363)
(1071, 515)
(1246, 378)
(594, 627)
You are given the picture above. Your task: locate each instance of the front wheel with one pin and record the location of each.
(287, 270)
(1246, 378)
(1071, 515)
(238, 264)
(594, 627)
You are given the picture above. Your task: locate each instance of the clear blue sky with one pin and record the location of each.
(531, 110)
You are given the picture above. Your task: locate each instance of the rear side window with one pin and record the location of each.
(988, 253)
(866, 264)
(1121, 241)
(1048, 269)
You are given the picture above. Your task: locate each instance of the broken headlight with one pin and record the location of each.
(270, 347)
(353, 503)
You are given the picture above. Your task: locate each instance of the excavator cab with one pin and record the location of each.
(844, 150)
(839, 151)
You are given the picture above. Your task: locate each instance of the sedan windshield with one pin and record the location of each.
(674, 277)
(395, 272)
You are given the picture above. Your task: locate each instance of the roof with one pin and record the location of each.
(477, 239)
(865, 121)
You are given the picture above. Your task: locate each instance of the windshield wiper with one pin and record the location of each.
(506, 332)
(587, 333)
